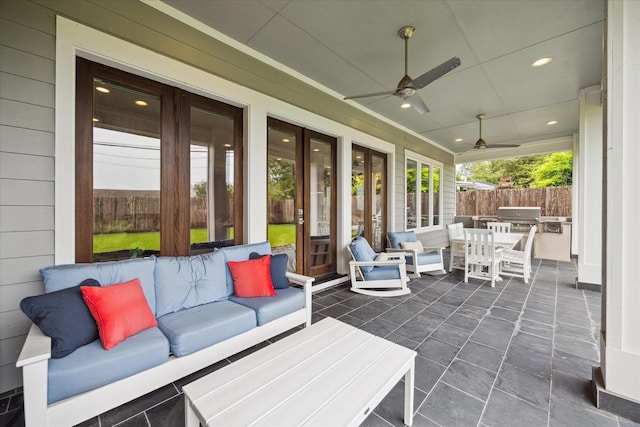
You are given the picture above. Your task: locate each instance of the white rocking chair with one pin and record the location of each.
(382, 275)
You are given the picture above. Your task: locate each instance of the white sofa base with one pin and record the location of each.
(36, 352)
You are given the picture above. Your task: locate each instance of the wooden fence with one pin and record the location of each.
(553, 201)
(137, 212)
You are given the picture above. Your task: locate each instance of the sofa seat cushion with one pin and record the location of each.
(425, 258)
(269, 308)
(384, 272)
(107, 273)
(91, 366)
(198, 327)
(185, 282)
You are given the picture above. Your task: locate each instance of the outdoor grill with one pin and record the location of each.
(521, 218)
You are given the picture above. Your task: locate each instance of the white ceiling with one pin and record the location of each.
(352, 47)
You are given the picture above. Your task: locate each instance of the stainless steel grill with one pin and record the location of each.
(521, 218)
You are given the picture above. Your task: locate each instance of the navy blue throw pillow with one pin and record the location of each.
(278, 269)
(63, 316)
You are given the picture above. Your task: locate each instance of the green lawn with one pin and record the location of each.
(278, 235)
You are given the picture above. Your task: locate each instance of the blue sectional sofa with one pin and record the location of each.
(199, 322)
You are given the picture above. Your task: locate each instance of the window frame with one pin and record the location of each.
(174, 160)
(421, 162)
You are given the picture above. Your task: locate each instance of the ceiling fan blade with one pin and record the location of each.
(417, 103)
(388, 92)
(436, 73)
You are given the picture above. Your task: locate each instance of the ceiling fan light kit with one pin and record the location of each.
(407, 88)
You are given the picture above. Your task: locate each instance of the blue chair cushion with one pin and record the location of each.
(107, 273)
(425, 258)
(242, 253)
(195, 328)
(397, 237)
(362, 251)
(384, 272)
(270, 308)
(188, 281)
(90, 366)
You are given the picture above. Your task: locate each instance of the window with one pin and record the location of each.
(423, 193)
(157, 168)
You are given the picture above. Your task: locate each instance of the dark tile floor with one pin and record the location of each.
(514, 355)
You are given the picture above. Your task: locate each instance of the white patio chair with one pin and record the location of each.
(456, 259)
(518, 263)
(383, 275)
(499, 227)
(482, 259)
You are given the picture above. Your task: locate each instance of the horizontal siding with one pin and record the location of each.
(18, 192)
(27, 149)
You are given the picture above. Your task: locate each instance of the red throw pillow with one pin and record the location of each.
(120, 310)
(252, 278)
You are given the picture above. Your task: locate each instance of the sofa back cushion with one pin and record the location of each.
(242, 253)
(107, 273)
(397, 237)
(185, 282)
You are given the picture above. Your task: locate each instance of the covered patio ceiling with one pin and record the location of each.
(351, 47)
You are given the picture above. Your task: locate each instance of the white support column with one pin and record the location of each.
(619, 388)
(589, 189)
(255, 165)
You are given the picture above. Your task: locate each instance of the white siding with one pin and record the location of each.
(27, 48)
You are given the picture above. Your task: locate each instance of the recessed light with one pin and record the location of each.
(541, 61)
(141, 103)
(286, 140)
(95, 119)
(316, 149)
(459, 139)
(405, 105)
(102, 89)
(227, 145)
(552, 122)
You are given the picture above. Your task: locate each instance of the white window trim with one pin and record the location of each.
(421, 161)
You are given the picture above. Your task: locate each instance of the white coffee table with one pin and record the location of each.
(327, 374)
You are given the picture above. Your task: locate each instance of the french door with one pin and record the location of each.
(369, 195)
(301, 198)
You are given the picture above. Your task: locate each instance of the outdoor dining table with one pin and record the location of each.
(503, 240)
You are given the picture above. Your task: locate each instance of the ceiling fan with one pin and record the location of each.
(407, 87)
(480, 144)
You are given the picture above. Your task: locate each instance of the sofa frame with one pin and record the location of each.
(36, 353)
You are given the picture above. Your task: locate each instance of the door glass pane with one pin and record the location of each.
(212, 185)
(378, 176)
(424, 194)
(320, 202)
(126, 172)
(436, 195)
(411, 208)
(357, 193)
(282, 192)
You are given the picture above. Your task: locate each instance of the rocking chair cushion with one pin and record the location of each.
(362, 252)
(397, 237)
(385, 272)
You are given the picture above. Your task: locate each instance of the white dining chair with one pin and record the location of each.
(518, 263)
(499, 227)
(456, 248)
(482, 259)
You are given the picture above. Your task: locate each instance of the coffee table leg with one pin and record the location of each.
(408, 392)
(190, 417)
